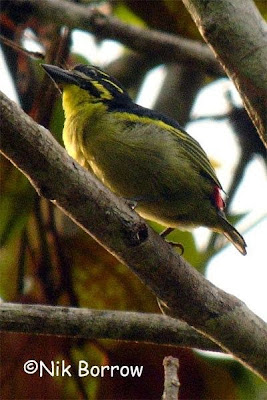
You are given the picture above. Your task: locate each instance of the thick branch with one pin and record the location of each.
(158, 45)
(216, 314)
(99, 324)
(237, 34)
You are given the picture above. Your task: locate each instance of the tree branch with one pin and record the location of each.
(171, 381)
(101, 324)
(161, 46)
(221, 317)
(179, 87)
(237, 34)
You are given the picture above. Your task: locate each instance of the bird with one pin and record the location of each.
(139, 154)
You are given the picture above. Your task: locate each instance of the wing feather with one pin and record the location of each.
(191, 147)
(195, 153)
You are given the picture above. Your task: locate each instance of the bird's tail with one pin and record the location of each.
(234, 236)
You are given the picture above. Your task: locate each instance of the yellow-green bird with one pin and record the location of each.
(140, 154)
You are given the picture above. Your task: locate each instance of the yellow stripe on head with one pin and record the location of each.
(103, 92)
(119, 89)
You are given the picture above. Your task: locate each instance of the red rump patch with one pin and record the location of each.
(218, 200)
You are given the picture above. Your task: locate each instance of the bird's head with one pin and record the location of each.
(100, 86)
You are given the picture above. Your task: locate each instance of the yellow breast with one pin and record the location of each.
(81, 116)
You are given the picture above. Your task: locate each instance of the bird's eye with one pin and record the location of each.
(93, 73)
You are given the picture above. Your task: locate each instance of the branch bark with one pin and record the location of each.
(161, 46)
(101, 324)
(237, 34)
(219, 316)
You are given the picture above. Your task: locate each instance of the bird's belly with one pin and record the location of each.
(176, 213)
(155, 198)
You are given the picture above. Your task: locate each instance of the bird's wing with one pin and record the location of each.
(190, 146)
(195, 152)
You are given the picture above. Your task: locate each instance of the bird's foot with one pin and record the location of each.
(165, 233)
(175, 244)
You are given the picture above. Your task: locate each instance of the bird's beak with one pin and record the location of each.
(60, 75)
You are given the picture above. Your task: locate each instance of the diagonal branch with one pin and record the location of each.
(101, 324)
(221, 317)
(237, 34)
(161, 46)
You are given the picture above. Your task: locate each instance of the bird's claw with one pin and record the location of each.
(175, 244)
(165, 233)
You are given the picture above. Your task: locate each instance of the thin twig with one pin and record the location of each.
(33, 54)
(66, 283)
(171, 381)
(80, 383)
(45, 264)
(21, 261)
